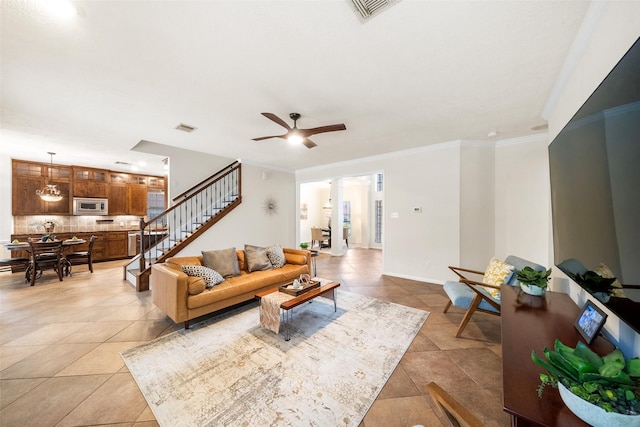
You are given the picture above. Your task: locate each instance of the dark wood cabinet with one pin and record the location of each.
(127, 193)
(28, 177)
(88, 182)
(118, 199)
(137, 199)
(116, 244)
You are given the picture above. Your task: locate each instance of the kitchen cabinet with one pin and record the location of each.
(118, 199)
(137, 199)
(89, 182)
(31, 176)
(116, 244)
(155, 182)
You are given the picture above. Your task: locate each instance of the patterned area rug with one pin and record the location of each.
(228, 371)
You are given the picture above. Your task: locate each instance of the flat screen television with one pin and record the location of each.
(595, 192)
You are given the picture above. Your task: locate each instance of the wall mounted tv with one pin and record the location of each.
(595, 192)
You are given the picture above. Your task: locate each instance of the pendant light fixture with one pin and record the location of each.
(50, 192)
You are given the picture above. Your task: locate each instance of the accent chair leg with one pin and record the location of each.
(446, 307)
(467, 316)
(186, 324)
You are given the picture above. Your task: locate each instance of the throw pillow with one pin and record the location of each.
(276, 256)
(224, 261)
(210, 276)
(256, 258)
(196, 285)
(497, 273)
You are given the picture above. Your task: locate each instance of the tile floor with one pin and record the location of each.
(60, 344)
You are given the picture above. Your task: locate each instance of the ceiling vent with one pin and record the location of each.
(186, 128)
(123, 163)
(367, 9)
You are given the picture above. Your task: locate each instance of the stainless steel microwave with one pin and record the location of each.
(90, 206)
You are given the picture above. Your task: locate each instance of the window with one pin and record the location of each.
(346, 211)
(378, 220)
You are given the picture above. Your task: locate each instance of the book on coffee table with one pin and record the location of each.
(289, 289)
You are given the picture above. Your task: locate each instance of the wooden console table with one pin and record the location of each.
(532, 323)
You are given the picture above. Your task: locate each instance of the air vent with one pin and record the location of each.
(122, 163)
(367, 9)
(186, 128)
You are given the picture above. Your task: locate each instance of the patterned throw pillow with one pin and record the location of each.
(210, 276)
(496, 274)
(276, 256)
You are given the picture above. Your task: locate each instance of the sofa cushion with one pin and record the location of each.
(256, 258)
(296, 259)
(276, 256)
(196, 285)
(177, 262)
(210, 276)
(224, 261)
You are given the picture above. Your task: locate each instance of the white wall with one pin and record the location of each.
(522, 199)
(614, 31)
(416, 245)
(249, 223)
(476, 204)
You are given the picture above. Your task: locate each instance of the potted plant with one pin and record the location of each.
(533, 282)
(599, 390)
(304, 245)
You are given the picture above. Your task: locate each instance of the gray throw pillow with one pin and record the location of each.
(276, 256)
(256, 258)
(224, 261)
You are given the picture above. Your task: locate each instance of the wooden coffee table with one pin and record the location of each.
(328, 291)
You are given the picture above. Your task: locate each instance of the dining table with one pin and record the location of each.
(25, 246)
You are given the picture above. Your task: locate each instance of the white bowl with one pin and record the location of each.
(595, 415)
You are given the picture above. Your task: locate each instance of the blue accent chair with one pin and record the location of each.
(473, 296)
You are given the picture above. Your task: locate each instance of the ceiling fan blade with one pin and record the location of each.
(309, 143)
(272, 136)
(323, 129)
(277, 119)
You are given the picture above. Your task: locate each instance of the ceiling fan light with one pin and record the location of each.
(295, 138)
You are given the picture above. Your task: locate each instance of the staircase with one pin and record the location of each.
(195, 211)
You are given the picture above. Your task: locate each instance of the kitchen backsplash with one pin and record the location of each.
(34, 224)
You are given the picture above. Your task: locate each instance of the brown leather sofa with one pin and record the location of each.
(182, 297)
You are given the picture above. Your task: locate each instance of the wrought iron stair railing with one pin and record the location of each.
(194, 211)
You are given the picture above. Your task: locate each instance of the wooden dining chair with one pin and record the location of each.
(450, 409)
(317, 236)
(81, 257)
(45, 255)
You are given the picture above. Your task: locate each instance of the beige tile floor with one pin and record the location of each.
(60, 344)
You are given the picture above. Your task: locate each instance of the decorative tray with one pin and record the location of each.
(288, 288)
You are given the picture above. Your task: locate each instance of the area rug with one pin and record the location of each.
(228, 371)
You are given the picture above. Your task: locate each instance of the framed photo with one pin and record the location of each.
(590, 321)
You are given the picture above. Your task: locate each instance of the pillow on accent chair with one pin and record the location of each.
(497, 273)
(276, 256)
(210, 276)
(256, 258)
(224, 261)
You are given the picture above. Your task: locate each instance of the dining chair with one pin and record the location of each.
(81, 257)
(345, 235)
(45, 255)
(452, 411)
(9, 264)
(317, 236)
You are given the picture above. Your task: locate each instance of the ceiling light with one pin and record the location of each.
(142, 163)
(492, 134)
(50, 193)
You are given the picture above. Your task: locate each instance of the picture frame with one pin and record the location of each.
(590, 321)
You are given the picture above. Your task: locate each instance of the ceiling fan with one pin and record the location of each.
(296, 135)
